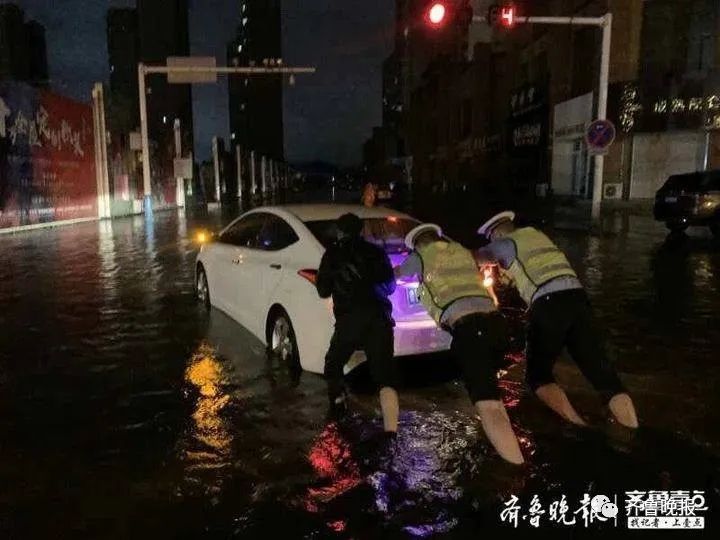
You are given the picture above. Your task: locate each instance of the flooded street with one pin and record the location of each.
(127, 412)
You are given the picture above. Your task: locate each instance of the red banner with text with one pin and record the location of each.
(47, 157)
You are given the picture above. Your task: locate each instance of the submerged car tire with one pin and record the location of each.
(202, 290)
(676, 226)
(281, 341)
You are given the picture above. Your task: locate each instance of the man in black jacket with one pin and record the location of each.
(359, 277)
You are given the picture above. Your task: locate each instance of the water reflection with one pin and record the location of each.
(333, 463)
(414, 486)
(211, 433)
(672, 280)
(108, 266)
(107, 363)
(592, 263)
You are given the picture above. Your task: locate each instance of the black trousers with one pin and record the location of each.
(479, 344)
(369, 331)
(564, 319)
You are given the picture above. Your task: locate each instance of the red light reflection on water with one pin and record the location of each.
(337, 526)
(332, 460)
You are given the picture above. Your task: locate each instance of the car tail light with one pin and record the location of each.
(309, 274)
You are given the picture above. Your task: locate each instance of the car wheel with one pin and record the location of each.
(715, 229)
(201, 288)
(676, 226)
(282, 342)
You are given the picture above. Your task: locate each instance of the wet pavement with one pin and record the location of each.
(126, 412)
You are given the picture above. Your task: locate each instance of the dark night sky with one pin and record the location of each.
(327, 115)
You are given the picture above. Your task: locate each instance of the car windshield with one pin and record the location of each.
(388, 233)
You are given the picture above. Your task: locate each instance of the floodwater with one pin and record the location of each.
(126, 412)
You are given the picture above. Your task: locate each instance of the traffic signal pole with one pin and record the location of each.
(605, 23)
(144, 70)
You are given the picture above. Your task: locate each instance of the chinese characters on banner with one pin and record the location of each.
(679, 509)
(47, 157)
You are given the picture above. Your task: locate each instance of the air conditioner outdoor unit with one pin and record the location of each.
(612, 191)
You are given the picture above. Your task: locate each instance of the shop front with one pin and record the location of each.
(528, 140)
(570, 159)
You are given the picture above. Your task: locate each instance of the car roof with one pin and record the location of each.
(326, 212)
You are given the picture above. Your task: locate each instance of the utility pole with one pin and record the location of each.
(101, 158)
(239, 169)
(147, 187)
(263, 173)
(180, 188)
(253, 177)
(216, 167)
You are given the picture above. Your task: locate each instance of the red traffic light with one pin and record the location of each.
(436, 13)
(507, 16)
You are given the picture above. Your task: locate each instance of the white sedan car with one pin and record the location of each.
(261, 271)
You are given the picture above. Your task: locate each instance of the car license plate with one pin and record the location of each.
(671, 199)
(412, 296)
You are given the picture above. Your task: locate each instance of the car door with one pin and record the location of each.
(218, 263)
(233, 259)
(268, 263)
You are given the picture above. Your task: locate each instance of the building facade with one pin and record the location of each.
(163, 31)
(510, 117)
(416, 49)
(123, 57)
(256, 103)
(23, 50)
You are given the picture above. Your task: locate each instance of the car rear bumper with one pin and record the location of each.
(411, 338)
(420, 337)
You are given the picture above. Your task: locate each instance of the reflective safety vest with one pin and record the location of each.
(538, 261)
(449, 274)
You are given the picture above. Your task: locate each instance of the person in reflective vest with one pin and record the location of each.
(559, 316)
(452, 291)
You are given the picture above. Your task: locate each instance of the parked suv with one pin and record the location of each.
(690, 199)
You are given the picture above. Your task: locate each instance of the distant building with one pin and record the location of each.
(136, 35)
(163, 31)
(393, 106)
(417, 48)
(154, 31)
(123, 55)
(23, 51)
(256, 104)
